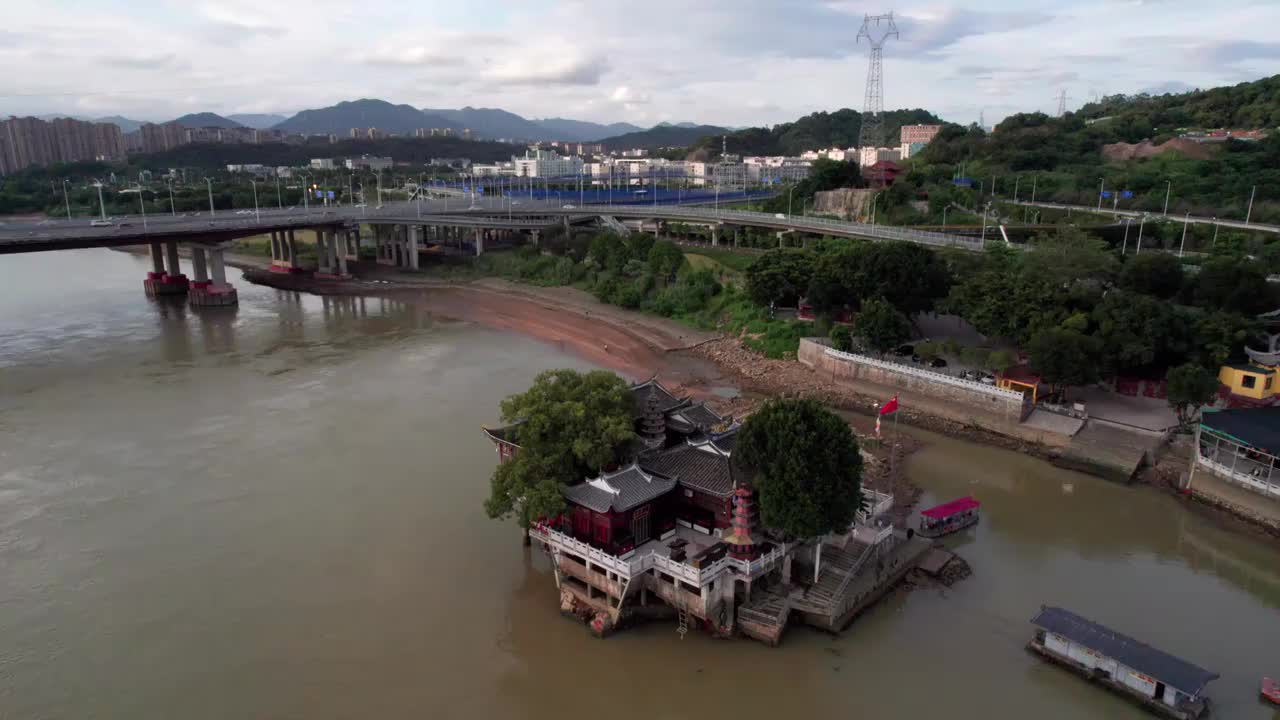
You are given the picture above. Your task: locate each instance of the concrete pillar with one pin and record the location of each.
(735, 237)
(157, 260)
(295, 264)
(199, 267)
(715, 237)
(322, 254)
(341, 254)
(216, 292)
(171, 252)
(479, 243)
(536, 237)
(414, 233)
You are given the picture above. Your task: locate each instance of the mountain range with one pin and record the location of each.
(483, 122)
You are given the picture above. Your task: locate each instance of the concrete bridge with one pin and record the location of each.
(399, 231)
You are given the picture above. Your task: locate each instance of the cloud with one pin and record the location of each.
(1236, 51)
(414, 56)
(624, 94)
(144, 62)
(935, 31)
(229, 24)
(550, 70)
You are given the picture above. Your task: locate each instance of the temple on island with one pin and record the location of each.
(675, 532)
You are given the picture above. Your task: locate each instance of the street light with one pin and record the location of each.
(306, 193)
(102, 205)
(66, 198)
(1124, 247)
(209, 183)
(1185, 222)
(173, 209)
(279, 199)
(1167, 189)
(256, 217)
(790, 191)
(142, 204)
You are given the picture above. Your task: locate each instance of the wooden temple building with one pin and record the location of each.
(675, 532)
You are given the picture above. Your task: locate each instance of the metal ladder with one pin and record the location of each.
(682, 614)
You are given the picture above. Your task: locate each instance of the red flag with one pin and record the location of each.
(891, 406)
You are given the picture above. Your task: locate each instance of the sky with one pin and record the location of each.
(723, 62)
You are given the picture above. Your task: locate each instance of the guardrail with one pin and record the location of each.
(926, 374)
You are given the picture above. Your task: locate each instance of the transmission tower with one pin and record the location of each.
(1062, 103)
(876, 29)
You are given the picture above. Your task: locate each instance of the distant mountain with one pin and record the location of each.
(205, 119)
(258, 121)
(492, 123)
(661, 136)
(125, 124)
(583, 131)
(362, 114)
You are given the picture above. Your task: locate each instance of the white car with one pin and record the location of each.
(567, 207)
(100, 223)
(780, 216)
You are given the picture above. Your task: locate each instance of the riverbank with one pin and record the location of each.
(702, 364)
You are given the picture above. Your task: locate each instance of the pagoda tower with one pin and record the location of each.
(653, 424)
(741, 545)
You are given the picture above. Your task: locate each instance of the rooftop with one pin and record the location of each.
(948, 509)
(666, 401)
(1145, 659)
(1256, 427)
(698, 465)
(621, 490)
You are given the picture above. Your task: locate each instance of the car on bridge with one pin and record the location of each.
(100, 223)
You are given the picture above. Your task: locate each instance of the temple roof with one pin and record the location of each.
(505, 434)
(666, 401)
(693, 417)
(699, 465)
(621, 490)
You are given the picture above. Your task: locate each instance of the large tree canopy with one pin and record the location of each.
(806, 466)
(1190, 386)
(780, 276)
(1064, 356)
(910, 276)
(881, 325)
(571, 425)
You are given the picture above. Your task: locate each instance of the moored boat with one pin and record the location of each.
(1271, 690)
(949, 517)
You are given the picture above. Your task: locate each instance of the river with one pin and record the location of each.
(275, 513)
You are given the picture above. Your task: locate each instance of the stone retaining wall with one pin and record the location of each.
(964, 401)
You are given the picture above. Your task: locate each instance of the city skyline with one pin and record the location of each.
(739, 64)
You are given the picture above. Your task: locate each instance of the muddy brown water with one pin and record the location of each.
(276, 513)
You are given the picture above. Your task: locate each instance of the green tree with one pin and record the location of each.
(1064, 357)
(1190, 386)
(881, 325)
(1225, 283)
(806, 467)
(842, 338)
(1139, 332)
(665, 259)
(1153, 273)
(779, 276)
(570, 425)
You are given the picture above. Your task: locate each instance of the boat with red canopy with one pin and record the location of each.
(949, 517)
(1271, 690)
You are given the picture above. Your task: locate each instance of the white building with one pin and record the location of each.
(870, 155)
(493, 170)
(371, 163)
(252, 169)
(776, 169)
(323, 164)
(545, 163)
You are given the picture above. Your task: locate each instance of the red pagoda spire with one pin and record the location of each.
(741, 545)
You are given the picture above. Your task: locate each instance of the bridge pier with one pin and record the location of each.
(415, 234)
(479, 242)
(212, 290)
(333, 264)
(160, 282)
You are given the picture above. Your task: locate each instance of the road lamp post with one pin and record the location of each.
(1168, 188)
(256, 217)
(209, 184)
(142, 204)
(66, 198)
(1249, 213)
(173, 209)
(279, 197)
(101, 205)
(789, 193)
(1185, 222)
(1142, 222)
(1101, 189)
(1215, 232)
(1125, 246)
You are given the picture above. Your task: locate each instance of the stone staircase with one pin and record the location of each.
(838, 566)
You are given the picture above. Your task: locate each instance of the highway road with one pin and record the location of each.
(34, 236)
(1194, 220)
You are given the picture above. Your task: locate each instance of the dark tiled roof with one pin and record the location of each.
(699, 466)
(696, 416)
(640, 398)
(1145, 659)
(1257, 427)
(503, 434)
(620, 491)
(727, 440)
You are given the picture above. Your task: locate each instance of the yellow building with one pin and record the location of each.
(1252, 381)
